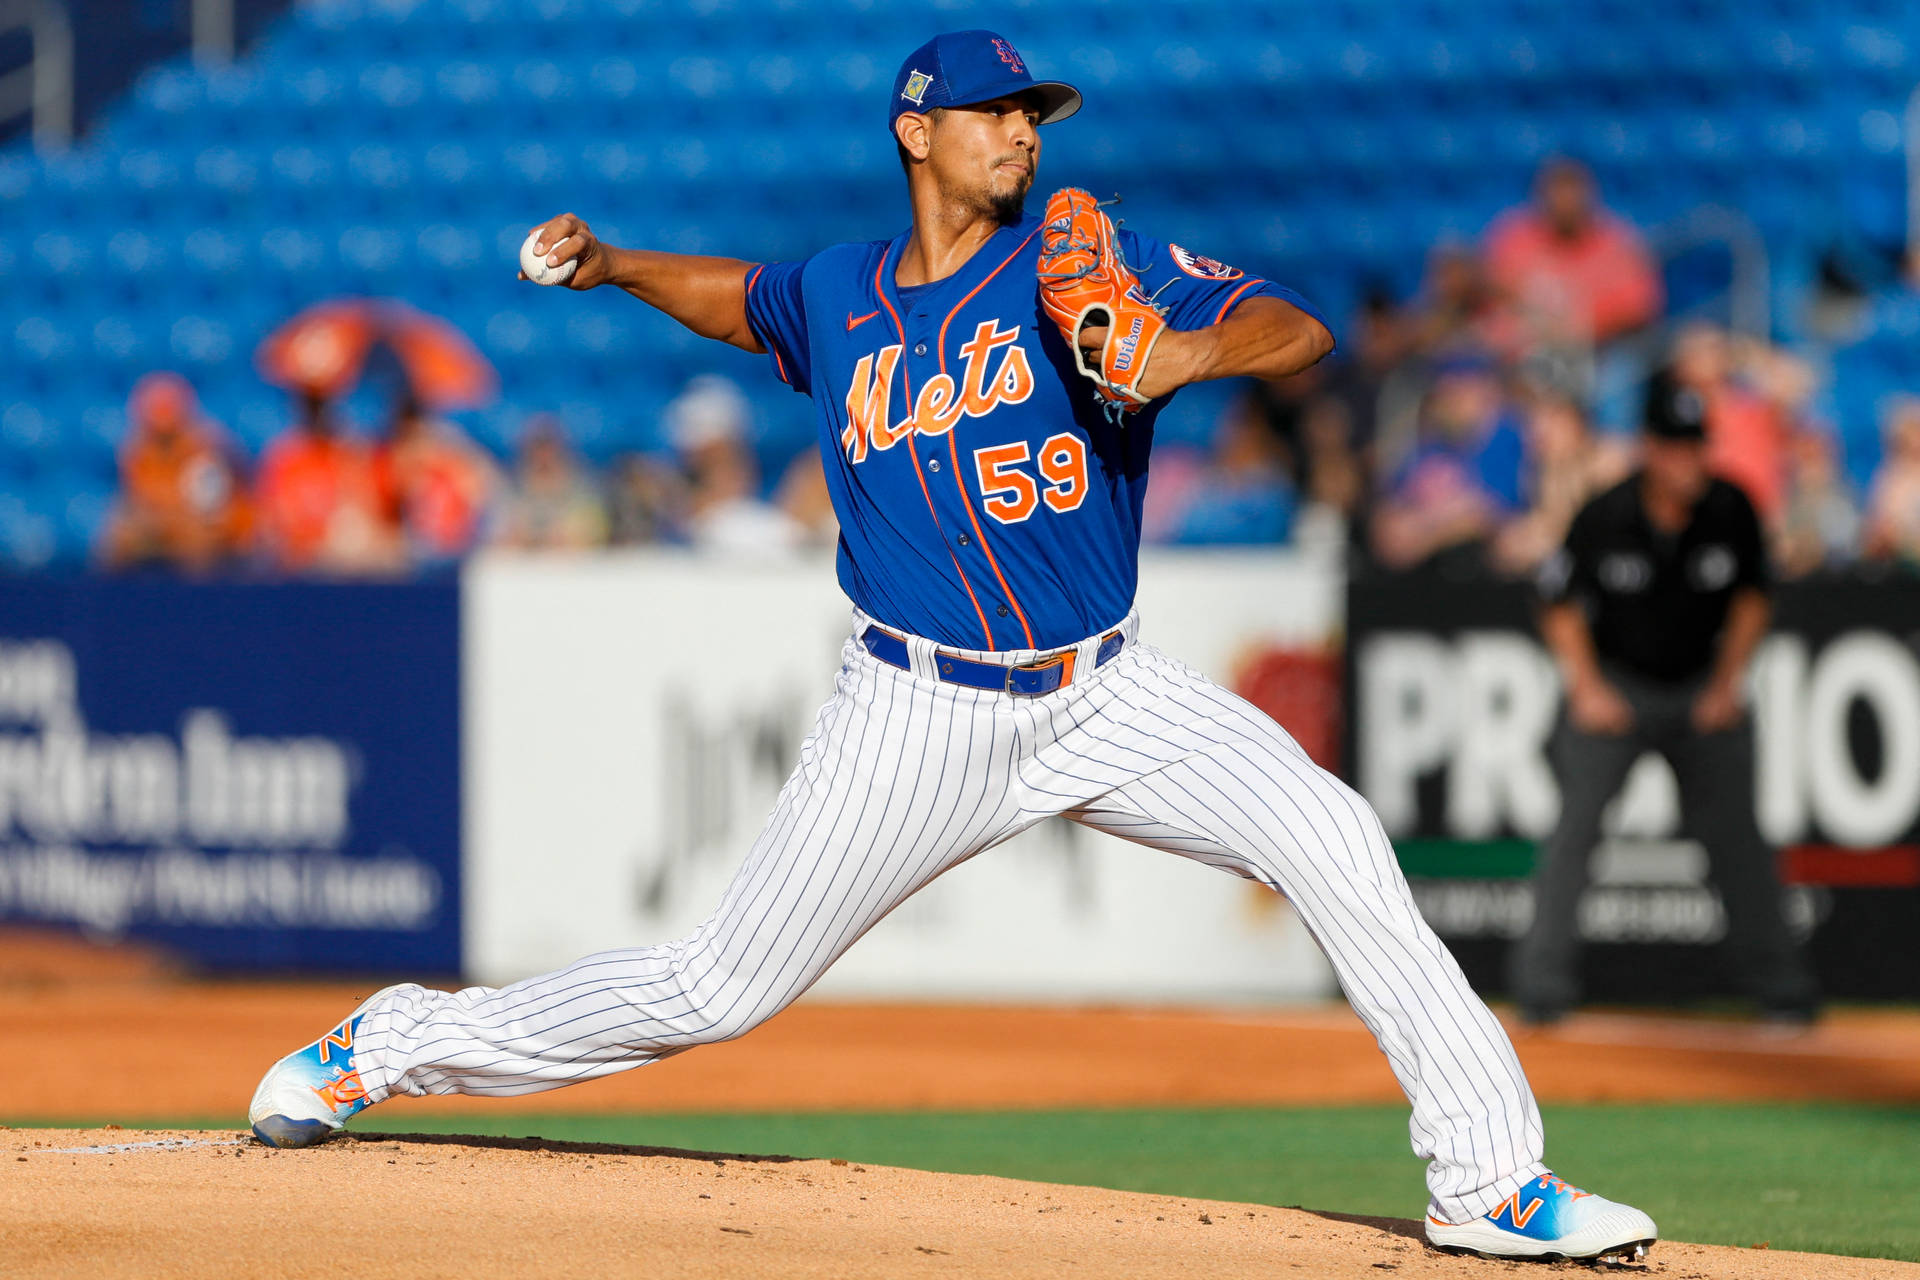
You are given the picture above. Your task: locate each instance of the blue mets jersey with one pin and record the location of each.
(985, 499)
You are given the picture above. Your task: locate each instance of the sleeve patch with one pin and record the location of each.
(1203, 268)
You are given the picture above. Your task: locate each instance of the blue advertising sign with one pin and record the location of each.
(258, 776)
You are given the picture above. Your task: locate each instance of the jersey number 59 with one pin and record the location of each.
(1012, 495)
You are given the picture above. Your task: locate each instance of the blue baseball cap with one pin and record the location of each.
(960, 68)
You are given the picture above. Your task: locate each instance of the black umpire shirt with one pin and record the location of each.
(1656, 601)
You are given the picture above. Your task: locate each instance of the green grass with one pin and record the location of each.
(1820, 1177)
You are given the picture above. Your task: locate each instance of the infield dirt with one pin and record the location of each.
(217, 1205)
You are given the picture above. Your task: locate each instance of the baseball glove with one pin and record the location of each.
(1084, 282)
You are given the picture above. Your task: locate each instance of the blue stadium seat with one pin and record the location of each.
(29, 537)
(96, 436)
(403, 147)
(30, 437)
(83, 505)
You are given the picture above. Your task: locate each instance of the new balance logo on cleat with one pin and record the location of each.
(339, 1038)
(1515, 1215)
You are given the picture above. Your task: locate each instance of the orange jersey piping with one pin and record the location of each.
(1228, 304)
(906, 385)
(953, 450)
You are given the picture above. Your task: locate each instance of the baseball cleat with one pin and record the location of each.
(1549, 1218)
(308, 1096)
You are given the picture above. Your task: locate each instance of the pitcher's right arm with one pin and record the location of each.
(707, 295)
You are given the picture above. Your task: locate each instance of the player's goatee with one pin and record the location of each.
(1010, 206)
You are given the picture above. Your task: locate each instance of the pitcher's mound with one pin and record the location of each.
(113, 1203)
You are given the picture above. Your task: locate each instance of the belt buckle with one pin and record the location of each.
(1062, 660)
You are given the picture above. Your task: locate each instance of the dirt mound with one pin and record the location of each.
(113, 1203)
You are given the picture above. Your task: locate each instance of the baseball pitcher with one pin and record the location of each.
(986, 385)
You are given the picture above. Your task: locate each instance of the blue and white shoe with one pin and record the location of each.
(1550, 1218)
(307, 1097)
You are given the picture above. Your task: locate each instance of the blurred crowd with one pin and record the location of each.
(1462, 428)
(328, 500)
(1458, 429)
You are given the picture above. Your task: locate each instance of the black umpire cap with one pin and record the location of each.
(1674, 411)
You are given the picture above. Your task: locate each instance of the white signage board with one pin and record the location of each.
(631, 717)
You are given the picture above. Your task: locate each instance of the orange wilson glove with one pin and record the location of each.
(1085, 281)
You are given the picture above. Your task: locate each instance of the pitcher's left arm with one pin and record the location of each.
(1148, 318)
(1263, 338)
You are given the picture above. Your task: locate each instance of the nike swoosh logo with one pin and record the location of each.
(853, 324)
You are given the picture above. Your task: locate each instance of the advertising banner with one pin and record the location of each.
(256, 776)
(632, 718)
(1452, 699)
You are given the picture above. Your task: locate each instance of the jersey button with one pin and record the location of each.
(1002, 611)
(920, 349)
(965, 541)
(933, 464)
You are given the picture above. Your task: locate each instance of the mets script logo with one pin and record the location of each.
(916, 90)
(1203, 268)
(1008, 56)
(942, 401)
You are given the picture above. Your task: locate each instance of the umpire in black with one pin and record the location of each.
(1652, 611)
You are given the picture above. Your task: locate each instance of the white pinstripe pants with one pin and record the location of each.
(904, 777)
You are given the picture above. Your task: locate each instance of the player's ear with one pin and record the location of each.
(914, 133)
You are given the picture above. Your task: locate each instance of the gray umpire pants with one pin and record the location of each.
(1715, 773)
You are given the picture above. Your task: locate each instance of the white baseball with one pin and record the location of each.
(535, 265)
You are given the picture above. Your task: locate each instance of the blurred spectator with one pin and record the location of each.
(552, 505)
(1820, 523)
(1566, 466)
(1788, 383)
(1333, 480)
(1311, 416)
(707, 425)
(438, 487)
(1179, 469)
(1360, 370)
(182, 501)
(1462, 480)
(1893, 511)
(319, 501)
(803, 495)
(644, 501)
(1566, 270)
(1746, 438)
(1455, 306)
(1243, 493)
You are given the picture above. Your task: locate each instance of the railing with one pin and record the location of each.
(1750, 289)
(1913, 170)
(212, 32)
(44, 86)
